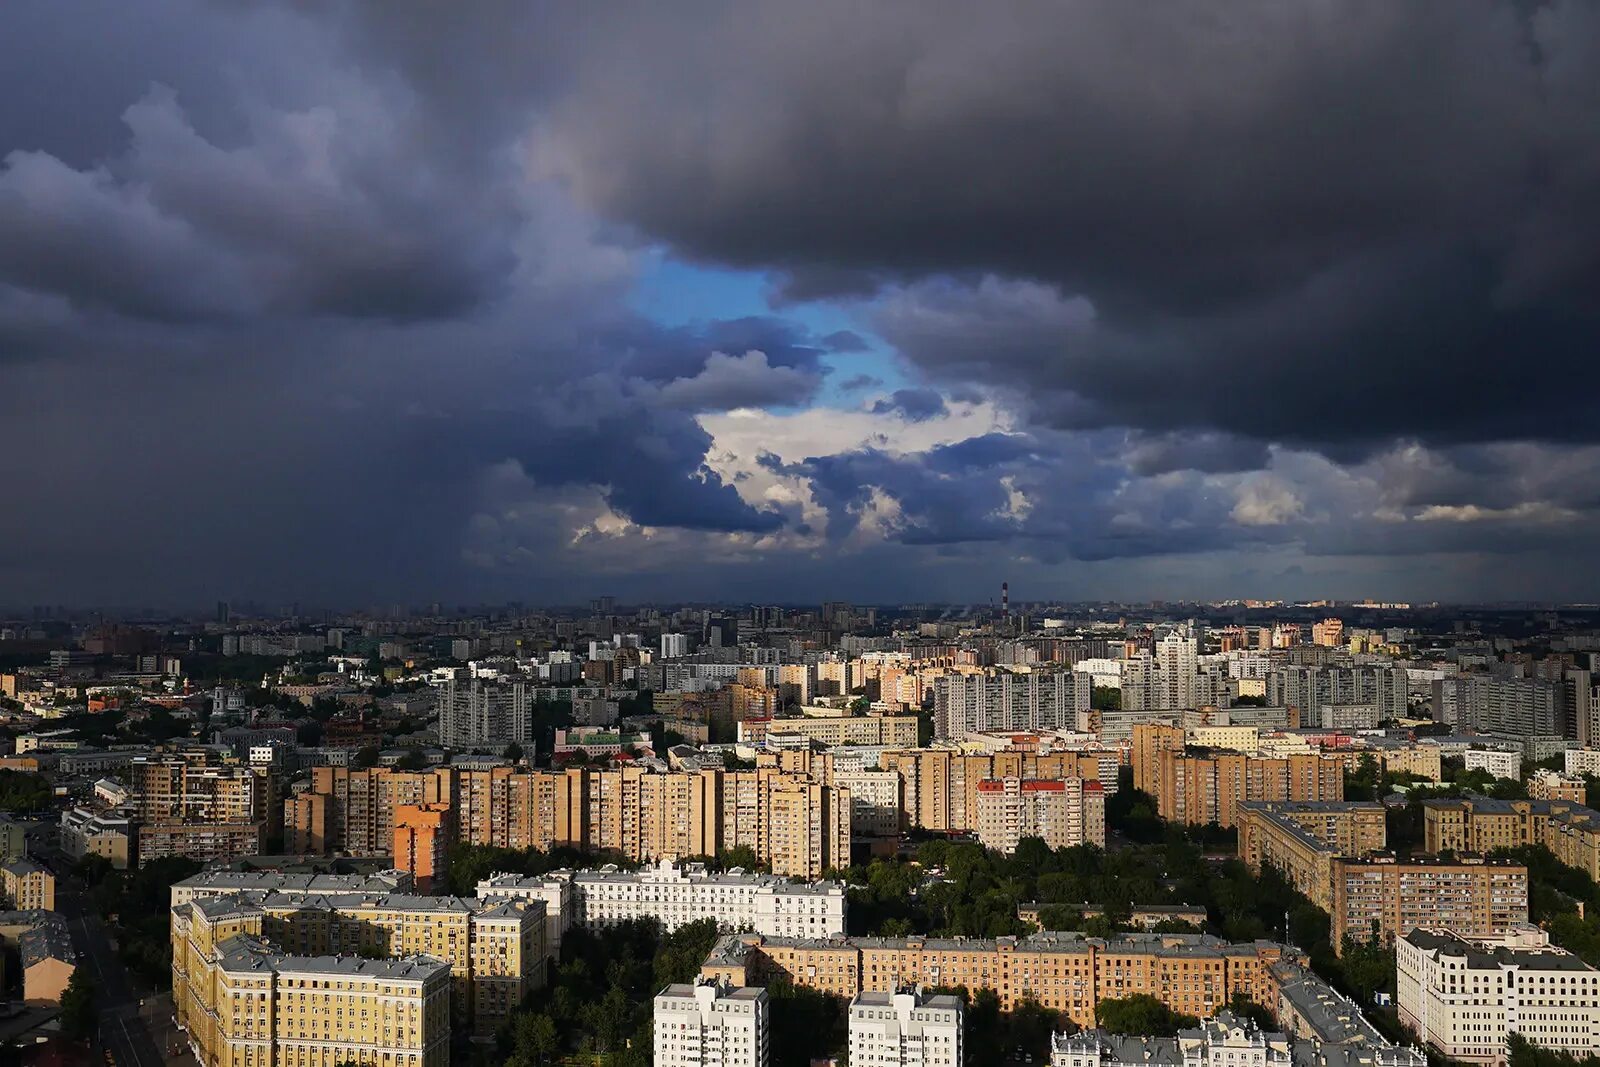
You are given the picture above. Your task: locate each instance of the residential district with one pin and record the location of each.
(1241, 834)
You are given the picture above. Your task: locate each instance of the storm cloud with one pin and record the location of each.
(340, 301)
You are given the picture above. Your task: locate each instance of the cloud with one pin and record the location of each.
(915, 404)
(745, 381)
(335, 301)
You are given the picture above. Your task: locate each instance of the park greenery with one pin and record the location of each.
(23, 791)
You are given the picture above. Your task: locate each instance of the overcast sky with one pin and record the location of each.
(408, 301)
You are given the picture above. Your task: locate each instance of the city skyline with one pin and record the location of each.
(358, 303)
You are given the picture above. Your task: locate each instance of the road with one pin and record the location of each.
(122, 1030)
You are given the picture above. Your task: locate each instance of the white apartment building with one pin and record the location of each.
(1464, 997)
(874, 801)
(675, 896)
(674, 646)
(1583, 760)
(484, 711)
(711, 1025)
(905, 1029)
(975, 702)
(1063, 812)
(1500, 764)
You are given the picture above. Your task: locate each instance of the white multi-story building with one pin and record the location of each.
(1582, 760)
(874, 801)
(711, 1025)
(1062, 812)
(482, 711)
(674, 646)
(1009, 700)
(1346, 698)
(1464, 997)
(674, 896)
(1498, 763)
(905, 1029)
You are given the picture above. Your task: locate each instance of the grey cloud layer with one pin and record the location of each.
(1321, 223)
(333, 298)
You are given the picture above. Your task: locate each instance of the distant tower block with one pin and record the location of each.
(1005, 599)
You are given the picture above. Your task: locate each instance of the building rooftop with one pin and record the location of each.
(1490, 957)
(282, 882)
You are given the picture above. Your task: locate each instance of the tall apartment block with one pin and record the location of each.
(1203, 786)
(1062, 812)
(794, 823)
(906, 1028)
(710, 1024)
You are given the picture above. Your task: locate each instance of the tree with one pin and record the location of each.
(24, 791)
(365, 757)
(78, 1015)
(414, 760)
(1105, 698)
(1141, 1014)
(513, 752)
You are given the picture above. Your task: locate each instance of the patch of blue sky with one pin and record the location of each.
(673, 293)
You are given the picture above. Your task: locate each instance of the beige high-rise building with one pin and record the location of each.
(1062, 812)
(797, 824)
(189, 803)
(1202, 786)
(939, 787)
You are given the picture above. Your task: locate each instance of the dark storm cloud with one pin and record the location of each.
(1293, 232)
(918, 405)
(333, 298)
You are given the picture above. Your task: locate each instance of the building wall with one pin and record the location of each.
(1187, 972)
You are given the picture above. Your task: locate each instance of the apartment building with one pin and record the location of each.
(899, 731)
(939, 787)
(191, 804)
(44, 952)
(673, 896)
(1062, 812)
(1192, 973)
(875, 809)
(1346, 827)
(484, 711)
(28, 886)
(797, 825)
(1552, 785)
(1329, 856)
(1463, 997)
(1424, 761)
(1501, 764)
(1481, 824)
(1203, 786)
(242, 1003)
(1581, 761)
(299, 886)
(977, 701)
(710, 1024)
(494, 952)
(421, 835)
(906, 1028)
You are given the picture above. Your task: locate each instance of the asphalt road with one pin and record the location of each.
(121, 1028)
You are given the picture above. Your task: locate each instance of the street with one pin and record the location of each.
(122, 1027)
